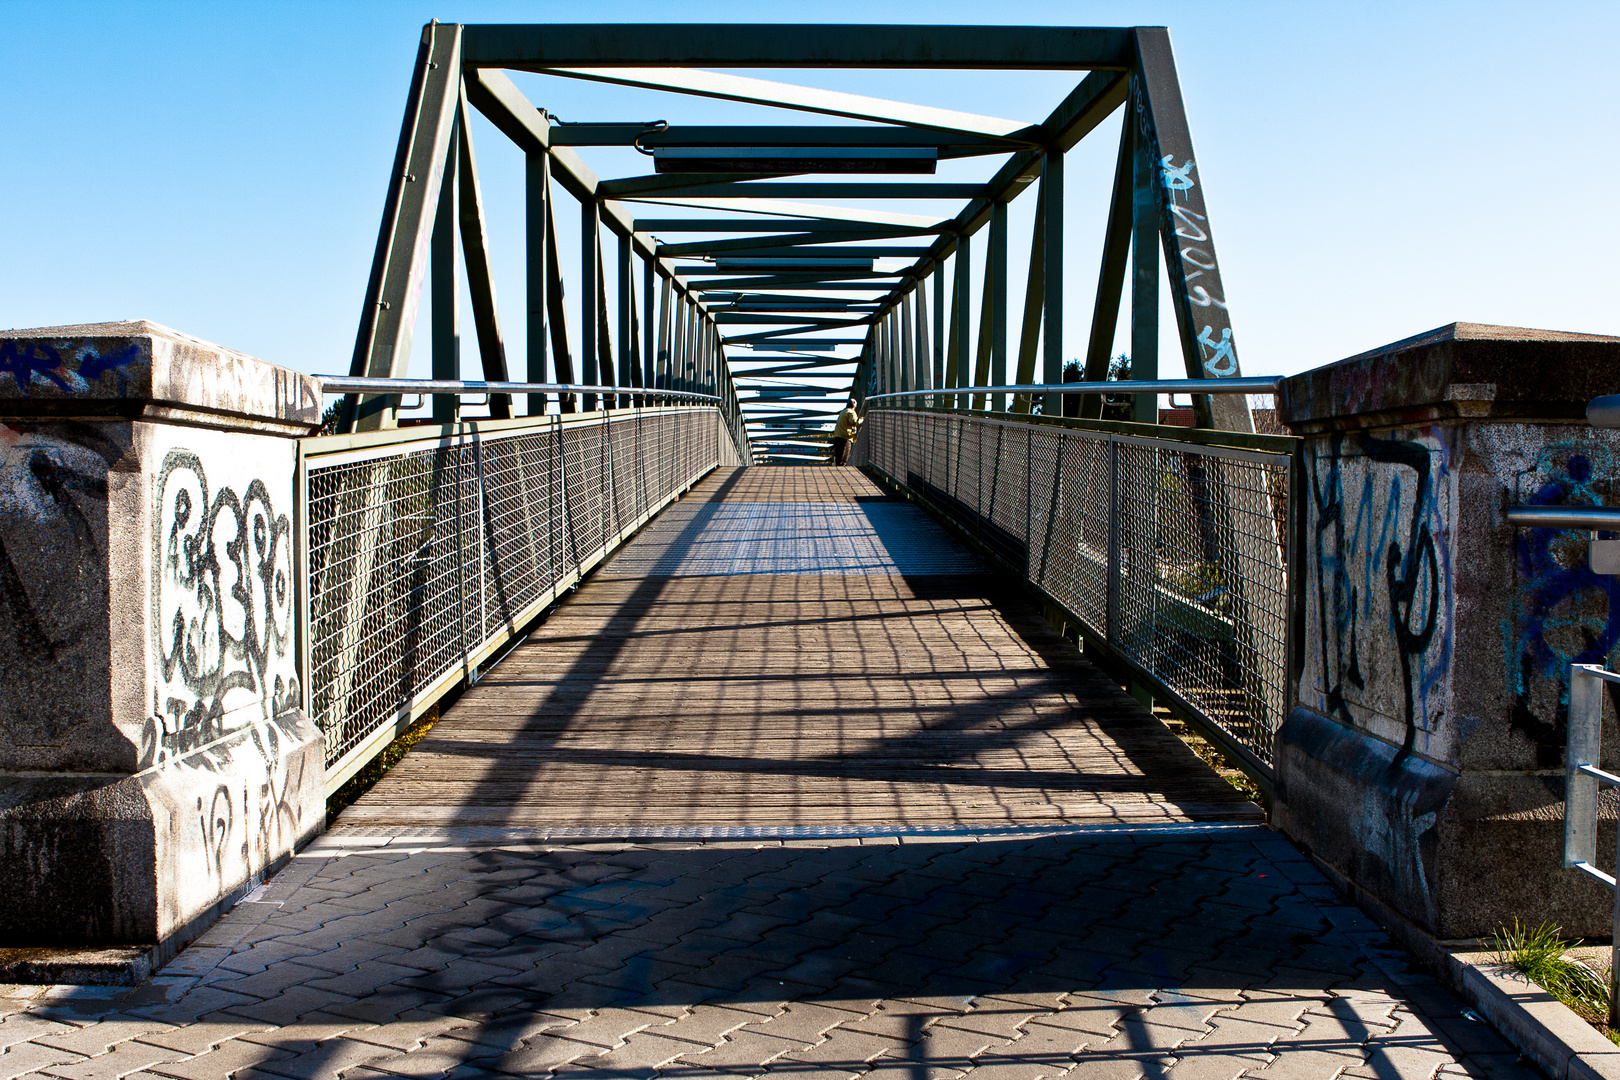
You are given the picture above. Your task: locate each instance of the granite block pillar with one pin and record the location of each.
(155, 759)
(1424, 756)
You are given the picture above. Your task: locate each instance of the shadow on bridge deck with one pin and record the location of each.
(791, 651)
(784, 648)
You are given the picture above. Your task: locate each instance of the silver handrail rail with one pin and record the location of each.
(1604, 412)
(1606, 518)
(347, 384)
(1263, 384)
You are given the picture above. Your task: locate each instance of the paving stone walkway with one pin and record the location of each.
(1198, 953)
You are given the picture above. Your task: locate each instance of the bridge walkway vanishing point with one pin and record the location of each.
(792, 650)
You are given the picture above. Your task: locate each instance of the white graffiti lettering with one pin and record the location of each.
(1185, 217)
(1200, 296)
(1187, 254)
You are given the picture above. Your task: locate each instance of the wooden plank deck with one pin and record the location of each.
(791, 647)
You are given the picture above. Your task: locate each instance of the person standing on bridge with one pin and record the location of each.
(849, 422)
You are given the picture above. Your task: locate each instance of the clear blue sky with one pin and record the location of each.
(1373, 169)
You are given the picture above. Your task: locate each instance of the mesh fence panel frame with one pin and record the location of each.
(423, 555)
(1173, 552)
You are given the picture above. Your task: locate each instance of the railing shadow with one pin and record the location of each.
(920, 727)
(920, 960)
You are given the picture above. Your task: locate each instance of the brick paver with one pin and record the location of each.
(1191, 954)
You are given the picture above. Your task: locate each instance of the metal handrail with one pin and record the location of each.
(346, 384)
(1582, 778)
(1604, 412)
(1264, 384)
(1605, 518)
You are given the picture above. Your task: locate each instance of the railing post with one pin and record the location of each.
(1585, 740)
(481, 553)
(1113, 542)
(1584, 743)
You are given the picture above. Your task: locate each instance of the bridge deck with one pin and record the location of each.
(792, 647)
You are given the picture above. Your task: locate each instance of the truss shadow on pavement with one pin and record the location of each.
(1187, 956)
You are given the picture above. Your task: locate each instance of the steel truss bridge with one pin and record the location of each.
(754, 289)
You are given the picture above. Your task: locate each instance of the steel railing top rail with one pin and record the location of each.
(1601, 412)
(1604, 412)
(1606, 518)
(1266, 384)
(347, 384)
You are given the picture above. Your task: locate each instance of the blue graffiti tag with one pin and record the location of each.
(1221, 361)
(1354, 541)
(1552, 602)
(26, 361)
(1177, 178)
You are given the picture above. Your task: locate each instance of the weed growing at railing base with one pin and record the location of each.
(1538, 955)
(362, 781)
(1213, 757)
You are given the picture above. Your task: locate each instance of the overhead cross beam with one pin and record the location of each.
(790, 45)
(804, 98)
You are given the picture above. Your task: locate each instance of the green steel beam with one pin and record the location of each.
(774, 225)
(742, 88)
(631, 188)
(445, 298)
(947, 143)
(829, 251)
(798, 239)
(788, 45)
(480, 274)
(1196, 292)
(1110, 280)
(799, 326)
(382, 347)
(655, 184)
(1144, 279)
(754, 319)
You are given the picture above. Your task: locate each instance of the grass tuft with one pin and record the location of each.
(362, 781)
(1538, 955)
(1212, 757)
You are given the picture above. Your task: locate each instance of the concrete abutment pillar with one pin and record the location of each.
(155, 758)
(1424, 758)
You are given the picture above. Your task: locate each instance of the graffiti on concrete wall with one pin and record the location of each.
(1382, 596)
(53, 506)
(253, 807)
(222, 602)
(1562, 613)
(32, 363)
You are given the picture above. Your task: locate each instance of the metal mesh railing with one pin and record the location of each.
(423, 555)
(1172, 552)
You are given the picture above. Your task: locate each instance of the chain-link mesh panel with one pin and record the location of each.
(1173, 552)
(423, 554)
(1006, 483)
